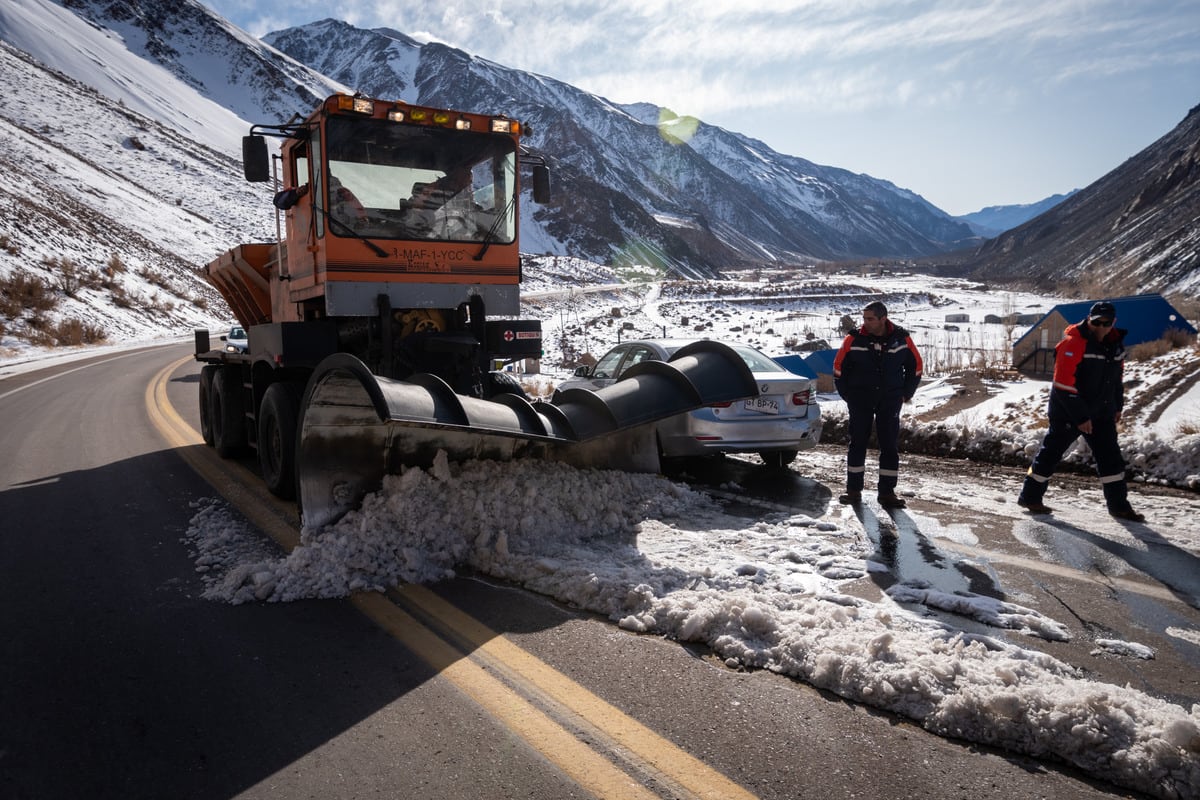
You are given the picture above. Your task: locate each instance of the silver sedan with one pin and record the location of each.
(778, 423)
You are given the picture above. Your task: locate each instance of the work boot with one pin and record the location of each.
(890, 500)
(1127, 513)
(850, 498)
(1033, 506)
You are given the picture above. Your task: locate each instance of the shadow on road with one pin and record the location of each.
(118, 680)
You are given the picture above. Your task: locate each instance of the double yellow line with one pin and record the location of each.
(605, 751)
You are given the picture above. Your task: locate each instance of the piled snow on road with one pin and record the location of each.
(660, 558)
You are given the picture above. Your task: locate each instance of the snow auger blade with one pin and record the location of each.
(357, 427)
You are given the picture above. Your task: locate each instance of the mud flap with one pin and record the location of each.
(357, 427)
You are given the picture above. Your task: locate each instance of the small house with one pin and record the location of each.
(1146, 317)
(1012, 319)
(958, 318)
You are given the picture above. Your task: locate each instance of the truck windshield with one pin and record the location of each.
(389, 180)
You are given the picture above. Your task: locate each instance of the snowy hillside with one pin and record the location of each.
(124, 159)
(130, 205)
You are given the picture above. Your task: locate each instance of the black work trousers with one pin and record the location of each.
(882, 414)
(1110, 466)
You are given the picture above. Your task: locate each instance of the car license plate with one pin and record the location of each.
(763, 405)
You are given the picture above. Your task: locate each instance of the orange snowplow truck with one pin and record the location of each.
(380, 322)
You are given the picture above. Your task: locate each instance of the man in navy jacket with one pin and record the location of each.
(876, 371)
(1086, 399)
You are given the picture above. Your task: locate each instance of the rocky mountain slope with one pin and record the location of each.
(1134, 230)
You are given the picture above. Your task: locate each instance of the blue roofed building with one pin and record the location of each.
(817, 364)
(1146, 317)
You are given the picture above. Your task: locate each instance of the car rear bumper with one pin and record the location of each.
(689, 436)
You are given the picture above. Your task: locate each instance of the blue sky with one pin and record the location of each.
(968, 103)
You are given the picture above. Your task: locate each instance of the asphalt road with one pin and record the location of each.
(118, 681)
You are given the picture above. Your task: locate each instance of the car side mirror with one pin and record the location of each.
(583, 372)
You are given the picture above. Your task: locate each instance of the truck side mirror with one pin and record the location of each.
(255, 161)
(541, 184)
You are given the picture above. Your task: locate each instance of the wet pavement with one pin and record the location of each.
(1106, 581)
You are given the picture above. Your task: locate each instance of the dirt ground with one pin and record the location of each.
(971, 391)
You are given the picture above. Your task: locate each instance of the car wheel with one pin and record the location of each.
(277, 419)
(778, 459)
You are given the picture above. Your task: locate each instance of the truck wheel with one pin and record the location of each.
(277, 419)
(206, 382)
(226, 413)
(504, 383)
(778, 459)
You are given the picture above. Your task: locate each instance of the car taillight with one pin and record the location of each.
(719, 405)
(800, 398)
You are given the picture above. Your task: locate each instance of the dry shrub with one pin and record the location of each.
(156, 277)
(22, 292)
(532, 388)
(1147, 351)
(1172, 339)
(1179, 338)
(121, 297)
(71, 332)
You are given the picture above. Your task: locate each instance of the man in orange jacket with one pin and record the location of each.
(1086, 400)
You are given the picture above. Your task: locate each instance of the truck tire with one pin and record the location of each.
(504, 383)
(227, 414)
(277, 418)
(778, 459)
(206, 382)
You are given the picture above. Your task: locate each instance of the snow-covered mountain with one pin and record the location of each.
(123, 118)
(995, 220)
(629, 181)
(637, 182)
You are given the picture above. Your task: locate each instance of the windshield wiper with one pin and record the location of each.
(490, 236)
(379, 251)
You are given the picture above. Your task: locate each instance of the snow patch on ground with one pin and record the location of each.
(658, 557)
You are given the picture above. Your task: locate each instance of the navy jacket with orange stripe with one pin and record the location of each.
(870, 367)
(1088, 376)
